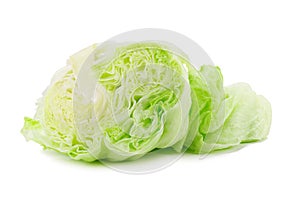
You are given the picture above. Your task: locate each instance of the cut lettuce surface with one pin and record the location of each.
(144, 90)
(53, 124)
(143, 96)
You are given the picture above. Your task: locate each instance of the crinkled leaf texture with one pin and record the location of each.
(247, 118)
(53, 125)
(146, 96)
(228, 118)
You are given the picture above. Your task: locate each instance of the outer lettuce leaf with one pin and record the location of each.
(207, 113)
(247, 118)
(223, 120)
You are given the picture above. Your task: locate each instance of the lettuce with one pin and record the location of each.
(53, 125)
(247, 118)
(120, 101)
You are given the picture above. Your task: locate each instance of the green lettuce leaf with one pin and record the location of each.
(207, 113)
(247, 118)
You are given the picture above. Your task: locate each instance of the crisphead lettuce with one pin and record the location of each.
(120, 101)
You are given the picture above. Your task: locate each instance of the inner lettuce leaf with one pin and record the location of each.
(145, 96)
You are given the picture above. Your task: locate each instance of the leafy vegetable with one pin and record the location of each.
(247, 118)
(121, 101)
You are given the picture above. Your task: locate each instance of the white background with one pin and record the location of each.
(257, 42)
